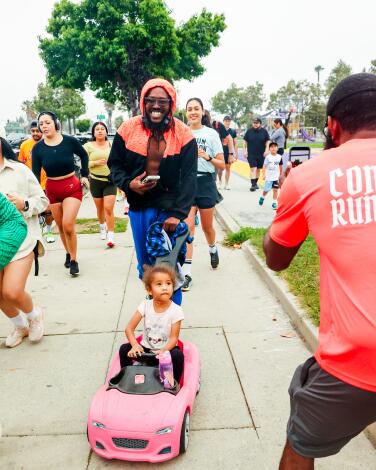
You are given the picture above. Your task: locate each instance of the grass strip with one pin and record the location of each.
(302, 276)
(90, 226)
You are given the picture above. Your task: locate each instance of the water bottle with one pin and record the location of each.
(166, 371)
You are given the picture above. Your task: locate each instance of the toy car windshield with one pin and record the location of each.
(139, 380)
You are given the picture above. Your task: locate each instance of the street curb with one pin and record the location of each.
(278, 287)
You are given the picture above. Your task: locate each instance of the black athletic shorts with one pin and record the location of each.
(100, 189)
(226, 154)
(256, 161)
(207, 195)
(326, 413)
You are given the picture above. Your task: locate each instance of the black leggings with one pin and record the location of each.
(177, 358)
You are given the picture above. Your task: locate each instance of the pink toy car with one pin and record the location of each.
(132, 417)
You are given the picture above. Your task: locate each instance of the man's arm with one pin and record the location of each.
(278, 257)
(288, 230)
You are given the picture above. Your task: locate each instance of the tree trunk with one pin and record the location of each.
(74, 125)
(69, 126)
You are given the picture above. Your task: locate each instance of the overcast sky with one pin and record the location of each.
(267, 41)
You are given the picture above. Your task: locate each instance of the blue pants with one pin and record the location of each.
(140, 223)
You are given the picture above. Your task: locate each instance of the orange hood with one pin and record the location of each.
(154, 83)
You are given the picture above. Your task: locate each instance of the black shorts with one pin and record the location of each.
(326, 413)
(207, 195)
(226, 154)
(256, 161)
(281, 151)
(100, 189)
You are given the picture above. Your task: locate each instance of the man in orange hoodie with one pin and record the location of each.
(155, 144)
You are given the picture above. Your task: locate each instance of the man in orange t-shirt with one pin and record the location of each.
(27, 147)
(25, 157)
(333, 197)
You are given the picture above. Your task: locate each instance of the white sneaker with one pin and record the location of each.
(103, 233)
(36, 327)
(50, 238)
(16, 336)
(110, 241)
(227, 187)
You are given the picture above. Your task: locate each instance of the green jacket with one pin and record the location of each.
(13, 231)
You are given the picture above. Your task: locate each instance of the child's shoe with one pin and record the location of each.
(261, 201)
(274, 206)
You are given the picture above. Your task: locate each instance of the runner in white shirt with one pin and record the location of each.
(272, 171)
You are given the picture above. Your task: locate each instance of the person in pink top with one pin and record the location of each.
(333, 197)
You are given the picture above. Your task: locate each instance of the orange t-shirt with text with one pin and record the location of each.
(333, 196)
(25, 157)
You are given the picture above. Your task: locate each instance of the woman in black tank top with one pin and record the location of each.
(55, 154)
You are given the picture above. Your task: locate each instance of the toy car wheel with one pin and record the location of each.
(184, 434)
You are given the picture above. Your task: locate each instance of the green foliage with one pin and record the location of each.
(303, 274)
(305, 95)
(372, 69)
(298, 93)
(181, 114)
(90, 226)
(29, 109)
(118, 121)
(338, 73)
(83, 125)
(66, 103)
(238, 102)
(114, 47)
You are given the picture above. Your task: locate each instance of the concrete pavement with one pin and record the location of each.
(241, 413)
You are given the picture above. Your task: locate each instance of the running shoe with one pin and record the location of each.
(110, 241)
(261, 201)
(16, 336)
(67, 261)
(74, 268)
(36, 327)
(50, 238)
(197, 220)
(227, 187)
(103, 232)
(214, 259)
(187, 283)
(252, 188)
(274, 206)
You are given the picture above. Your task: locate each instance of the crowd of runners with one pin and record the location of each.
(171, 174)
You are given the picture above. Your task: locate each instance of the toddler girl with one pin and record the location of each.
(161, 319)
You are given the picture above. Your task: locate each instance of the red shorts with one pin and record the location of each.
(58, 190)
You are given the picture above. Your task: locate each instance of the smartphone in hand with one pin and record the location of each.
(150, 179)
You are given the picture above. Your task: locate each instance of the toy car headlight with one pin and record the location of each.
(96, 424)
(165, 430)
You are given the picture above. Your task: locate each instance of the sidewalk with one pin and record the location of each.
(241, 412)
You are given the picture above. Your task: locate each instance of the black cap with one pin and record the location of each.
(257, 119)
(349, 86)
(33, 124)
(227, 118)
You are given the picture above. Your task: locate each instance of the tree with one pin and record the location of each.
(181, 114)
(118, 121)
(315, 115)
(297, 93)
(373, 67)
(338, 73)
(239, 102)
(83, 125)
(318, 69)
(114, 47)
(64, 102)
(109, 107)
(29, 109)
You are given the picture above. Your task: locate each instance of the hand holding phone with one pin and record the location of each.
(150, 179)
